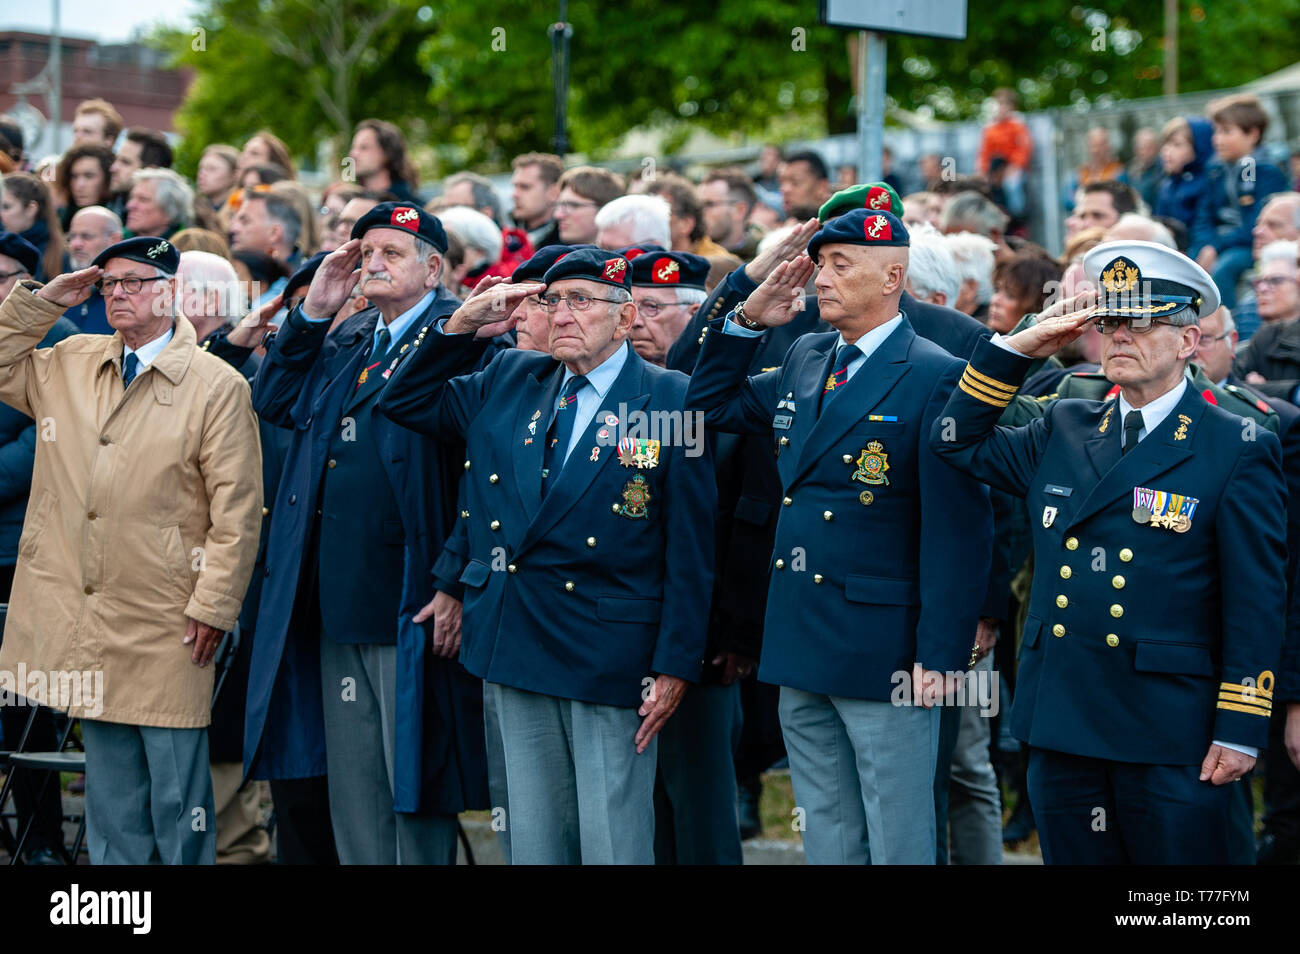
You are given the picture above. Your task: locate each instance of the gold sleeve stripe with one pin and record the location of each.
(983, 389)
(975, 394)
(1249, 710)
(992, 383)
(1246, 690)
(1245, 700)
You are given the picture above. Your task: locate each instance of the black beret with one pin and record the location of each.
(593, 264)
(534, 268)
(860, 227)
(670, 268)
(305, 273)
(404, 217)
(147, 249)
(20, 250)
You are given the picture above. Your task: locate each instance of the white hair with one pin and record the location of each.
(1132, 225)
(647, 216)
(931, 267)
(972, 210)
(474, 229)
(974, 257)
(172, 193)
(200, 273)
(1282, 250)
(1229, 323)
(112, 221)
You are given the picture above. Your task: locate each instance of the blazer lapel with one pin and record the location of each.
(1166, 447)
(528, 447)
(1103, 445)
(627, 393)
(870, 384)
(809, 380)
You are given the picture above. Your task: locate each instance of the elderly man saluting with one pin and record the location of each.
(138, 544)
(591, 552)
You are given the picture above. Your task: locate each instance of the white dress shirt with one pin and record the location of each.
(146, 354)
(599, 380)
(866, 345)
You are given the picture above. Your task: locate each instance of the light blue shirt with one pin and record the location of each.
(148, 353)
(398, 326)
(866, 345)
(599, 380)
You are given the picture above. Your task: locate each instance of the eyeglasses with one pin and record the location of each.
(567, 206)
(651, 308)
(1270, 281)
(131, 286)
(1211, 339)
(1138, 326)
(575, 300)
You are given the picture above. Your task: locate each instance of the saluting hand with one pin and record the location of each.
(661, 702)
(780, 297)
(489, 310)
(254, 326)
(337, 276)
(71, 288)
(1221, 765)
(765, 262)
(1051, 334)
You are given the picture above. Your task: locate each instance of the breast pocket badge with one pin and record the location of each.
(636, 499)
(1049, 516)
(872, 463)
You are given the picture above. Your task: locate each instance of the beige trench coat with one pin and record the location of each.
(145, 509)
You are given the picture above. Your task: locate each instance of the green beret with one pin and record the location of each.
(876, 196)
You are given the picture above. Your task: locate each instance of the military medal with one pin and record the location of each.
(872, 464)
(1163, 509)
(866, 497)
(636, 498)
(638, 452)
(1049, 516)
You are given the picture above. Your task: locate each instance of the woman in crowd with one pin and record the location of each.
(82, 177)
(27, 208)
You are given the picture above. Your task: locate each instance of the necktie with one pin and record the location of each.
(377, 355)
(130, 368)
(561, 430)
(839, 375)
(1132, 424)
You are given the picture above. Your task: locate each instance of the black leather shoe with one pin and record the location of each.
(1020, 825)
(747, 795)
(1273, 850)
(43, 856)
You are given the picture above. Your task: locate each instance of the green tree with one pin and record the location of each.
(307, 69)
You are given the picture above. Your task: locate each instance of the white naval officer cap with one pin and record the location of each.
(1137, 279)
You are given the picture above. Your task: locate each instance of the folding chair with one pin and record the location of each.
(61, 761)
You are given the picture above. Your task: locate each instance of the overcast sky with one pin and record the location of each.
(109, 21)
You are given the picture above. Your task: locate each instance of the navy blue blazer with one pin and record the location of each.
(1137, 646)
(306, 383)
(869, 575)
(605, 581)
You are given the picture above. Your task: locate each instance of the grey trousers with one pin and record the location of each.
(578, 791)
(496, 769)
(863, 774)
(695, 817)
(974, 802)
(359, 688)
(148, 795)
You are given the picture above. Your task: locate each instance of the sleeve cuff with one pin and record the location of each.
(730, 327)
(1243, 749)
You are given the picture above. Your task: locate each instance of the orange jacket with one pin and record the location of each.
(1008, 138)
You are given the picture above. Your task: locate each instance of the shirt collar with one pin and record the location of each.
(147, 353)
(1157, 410)
(402, 323)
(874, 338)
(602, 376)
